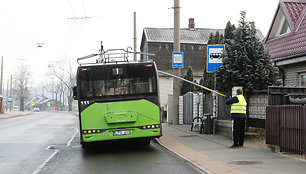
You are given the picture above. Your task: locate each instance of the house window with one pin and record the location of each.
(303, 79)
(285, 28)
(280, 26)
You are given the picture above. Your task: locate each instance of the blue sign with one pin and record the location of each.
(177, 60)
(215, 54)
(9, 99)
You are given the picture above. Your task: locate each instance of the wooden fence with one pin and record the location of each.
(285, 127)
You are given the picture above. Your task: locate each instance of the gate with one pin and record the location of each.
(285, 127)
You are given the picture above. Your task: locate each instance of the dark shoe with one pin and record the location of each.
(240, 146)
(233, 147)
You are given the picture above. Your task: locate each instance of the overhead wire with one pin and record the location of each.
(75, 36)
(74, 18)
(84, 9)
(71, 8)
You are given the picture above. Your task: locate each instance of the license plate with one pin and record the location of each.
(122, 132)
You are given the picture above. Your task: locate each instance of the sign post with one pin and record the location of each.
(215, 54)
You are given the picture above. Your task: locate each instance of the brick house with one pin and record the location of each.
(286, 42)
(159, 41)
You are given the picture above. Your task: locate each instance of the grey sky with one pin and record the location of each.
(26, 23)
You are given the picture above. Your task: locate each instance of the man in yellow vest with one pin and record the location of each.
(238, 113)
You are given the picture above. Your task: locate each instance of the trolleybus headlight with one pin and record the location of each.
(89, 131)
(153, 126)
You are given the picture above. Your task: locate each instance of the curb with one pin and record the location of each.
(12, 116)
(197, 166)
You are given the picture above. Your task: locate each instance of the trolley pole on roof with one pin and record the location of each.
(176, 71)
(135, 38)
(195, 84)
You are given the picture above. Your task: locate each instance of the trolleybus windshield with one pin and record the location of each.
(111, 81)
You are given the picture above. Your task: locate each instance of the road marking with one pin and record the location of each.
(69, 142)
(46, 161)
(53, 154)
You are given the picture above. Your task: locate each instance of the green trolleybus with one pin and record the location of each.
(117, 100)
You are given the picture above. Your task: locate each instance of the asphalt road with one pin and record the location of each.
(48, 143)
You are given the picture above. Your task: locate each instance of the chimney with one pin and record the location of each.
(191, 24)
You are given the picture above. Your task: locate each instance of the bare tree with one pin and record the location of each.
(21, 80)
(63, 72)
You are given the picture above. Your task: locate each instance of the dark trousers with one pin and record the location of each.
(238, 133)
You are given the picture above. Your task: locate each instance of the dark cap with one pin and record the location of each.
(239, 91)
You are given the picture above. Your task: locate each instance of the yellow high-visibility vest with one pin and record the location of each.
(239, 107)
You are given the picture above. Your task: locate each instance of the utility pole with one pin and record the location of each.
(176, 71)
(7, 94)
(1, 83)
(43, 90)
(100, 60)
(11, 83)
(135, 38)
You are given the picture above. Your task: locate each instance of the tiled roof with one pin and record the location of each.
(294, 43)
(196, 36)
(294, 9)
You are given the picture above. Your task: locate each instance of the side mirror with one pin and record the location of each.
(75, 93)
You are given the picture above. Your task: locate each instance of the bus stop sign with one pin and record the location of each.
(177, 60)
(215, 54)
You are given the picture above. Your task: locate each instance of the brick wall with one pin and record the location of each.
(194, 56)
(257, 106)
(292, 73)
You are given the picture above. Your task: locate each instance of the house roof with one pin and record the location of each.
(196, 36)
(292, 44)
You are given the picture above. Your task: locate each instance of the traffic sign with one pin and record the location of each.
(177, 59)
(215, 54)
(10, 99)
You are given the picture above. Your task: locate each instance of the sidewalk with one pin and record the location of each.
(211, 153)
(11, 114)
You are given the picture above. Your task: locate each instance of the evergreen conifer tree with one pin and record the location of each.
(229, 31)
(187, 87)
(246, 63)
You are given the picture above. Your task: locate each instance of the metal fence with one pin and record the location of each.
(191, 107)
(285, 127)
